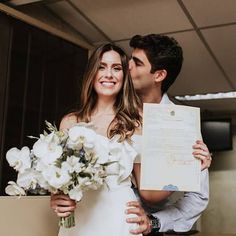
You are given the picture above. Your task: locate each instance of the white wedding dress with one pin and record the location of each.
(102, 212)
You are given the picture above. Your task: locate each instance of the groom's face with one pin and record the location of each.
(140, 69)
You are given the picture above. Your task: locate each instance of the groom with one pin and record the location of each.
(154, 66)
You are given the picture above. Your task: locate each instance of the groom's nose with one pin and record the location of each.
(130, 64)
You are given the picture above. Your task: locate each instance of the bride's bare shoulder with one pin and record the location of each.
(68, 121)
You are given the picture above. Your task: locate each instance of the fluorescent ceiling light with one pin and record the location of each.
(207, 96)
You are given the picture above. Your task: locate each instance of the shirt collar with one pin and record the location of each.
(165, 99)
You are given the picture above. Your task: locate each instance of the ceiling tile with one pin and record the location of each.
(71, 16)
(211, 12)
(222, 42)
(125, 18)
(200, 73)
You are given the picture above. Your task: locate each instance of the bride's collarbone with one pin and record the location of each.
(102, 120)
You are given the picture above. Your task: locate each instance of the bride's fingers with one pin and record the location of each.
(64, 197)
(64, 214)
(65, 202)
(62, 209)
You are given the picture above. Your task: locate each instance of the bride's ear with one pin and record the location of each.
(160, 75)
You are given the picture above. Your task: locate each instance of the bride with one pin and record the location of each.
(109, 102)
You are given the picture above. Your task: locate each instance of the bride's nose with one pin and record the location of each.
(108, 73)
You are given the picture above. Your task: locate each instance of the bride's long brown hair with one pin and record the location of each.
(127, 104)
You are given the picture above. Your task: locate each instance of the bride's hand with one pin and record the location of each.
(62, 205)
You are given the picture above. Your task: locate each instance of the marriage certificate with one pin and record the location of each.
(167, 163)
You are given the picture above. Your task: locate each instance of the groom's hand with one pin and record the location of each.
(202, 153)
(62, 205)
(141, 218)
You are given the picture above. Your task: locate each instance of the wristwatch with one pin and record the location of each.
(155, 223)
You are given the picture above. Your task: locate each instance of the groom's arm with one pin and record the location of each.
(181, 215)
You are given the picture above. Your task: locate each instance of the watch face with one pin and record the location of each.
(156, 225)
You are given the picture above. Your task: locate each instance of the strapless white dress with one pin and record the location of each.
(102, 212)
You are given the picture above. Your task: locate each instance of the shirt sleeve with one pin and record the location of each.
(182, 214)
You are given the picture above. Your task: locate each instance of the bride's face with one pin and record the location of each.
(109, 77)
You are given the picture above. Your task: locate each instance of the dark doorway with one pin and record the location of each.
(40, 77)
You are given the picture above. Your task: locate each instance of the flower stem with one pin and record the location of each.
(68, 221)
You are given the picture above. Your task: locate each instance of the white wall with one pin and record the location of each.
(220, 216)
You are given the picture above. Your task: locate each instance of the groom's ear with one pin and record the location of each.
(160, 75)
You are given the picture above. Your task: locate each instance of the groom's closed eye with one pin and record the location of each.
(137, 61)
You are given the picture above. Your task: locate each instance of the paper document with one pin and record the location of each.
(169, 132)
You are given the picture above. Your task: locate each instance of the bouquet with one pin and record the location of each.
(60, 162)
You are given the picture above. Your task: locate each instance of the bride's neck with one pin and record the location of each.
(104, 107)
(102, 116)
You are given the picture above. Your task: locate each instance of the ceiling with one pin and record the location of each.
(206, 29)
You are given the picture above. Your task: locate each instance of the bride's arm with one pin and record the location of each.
(151, 196)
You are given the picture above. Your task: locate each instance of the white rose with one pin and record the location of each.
(19, 159)
(13, 189)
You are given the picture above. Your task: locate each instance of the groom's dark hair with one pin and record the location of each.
(163, 53)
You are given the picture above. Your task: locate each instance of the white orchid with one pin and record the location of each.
(28, 179)
(19, 159)
(14, 190)
(56, 177)
(48, 148)
(81, 136)
(76, 193)
(43, 183)
(73, 164)
(84, 181)
(68, 162)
